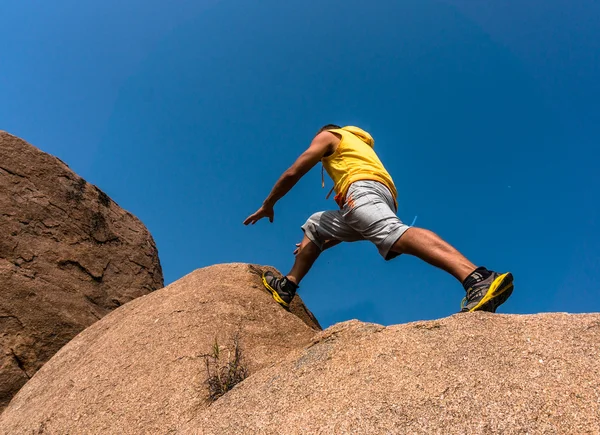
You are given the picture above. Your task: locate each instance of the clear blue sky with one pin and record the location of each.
(486, 114)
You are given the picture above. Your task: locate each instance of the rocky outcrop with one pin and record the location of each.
(472, 373)
(140, 369)
(68, 256)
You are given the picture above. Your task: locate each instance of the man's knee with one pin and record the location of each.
(330, 243)
(308, 247)
(401, 245)
(311, 232)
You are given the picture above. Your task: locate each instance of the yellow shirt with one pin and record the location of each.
(353, 160)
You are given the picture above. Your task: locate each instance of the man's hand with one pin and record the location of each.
(262, 212)
(322, 144)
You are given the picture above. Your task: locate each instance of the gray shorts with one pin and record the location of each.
(369, 213)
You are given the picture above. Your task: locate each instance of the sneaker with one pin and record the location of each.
(282, 289)
(488, 294)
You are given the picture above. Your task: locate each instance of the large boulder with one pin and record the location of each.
(141, 370)
(472, 373)
(68, 256)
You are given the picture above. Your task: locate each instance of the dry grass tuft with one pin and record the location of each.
(225, 368)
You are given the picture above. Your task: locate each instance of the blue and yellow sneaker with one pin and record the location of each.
(486, 290)
(282, 289)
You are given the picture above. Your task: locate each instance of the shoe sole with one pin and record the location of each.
(503, 297)
(274, 293)
(496, 294)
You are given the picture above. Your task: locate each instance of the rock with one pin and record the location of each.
(297, 306)
(68, 256)
(140, 369)
(472, 373)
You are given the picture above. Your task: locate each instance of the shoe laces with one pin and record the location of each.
(468, 297)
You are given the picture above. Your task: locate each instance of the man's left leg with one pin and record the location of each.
(321, 231)
(306, 256)
(284, 289)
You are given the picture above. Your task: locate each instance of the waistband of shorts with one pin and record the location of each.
(340, 198)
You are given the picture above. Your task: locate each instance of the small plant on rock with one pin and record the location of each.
(225, 368)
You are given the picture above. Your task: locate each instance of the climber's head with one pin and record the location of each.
(328, 127)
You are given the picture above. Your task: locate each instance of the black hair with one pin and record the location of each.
(328, 127)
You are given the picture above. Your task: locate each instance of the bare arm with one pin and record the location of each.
(321, 145)
(309, 158)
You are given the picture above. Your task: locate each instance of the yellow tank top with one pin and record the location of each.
(353, 160)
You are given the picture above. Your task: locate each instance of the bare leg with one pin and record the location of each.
(429, 247)
(307, 253)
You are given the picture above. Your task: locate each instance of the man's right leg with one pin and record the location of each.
(429, 247)
(370, 210)
(486, 290)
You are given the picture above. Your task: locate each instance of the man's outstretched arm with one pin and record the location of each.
(321, 145)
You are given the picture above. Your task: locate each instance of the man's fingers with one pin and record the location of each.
(250, 220)
(253, 218)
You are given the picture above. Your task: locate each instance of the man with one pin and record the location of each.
(366, 196)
